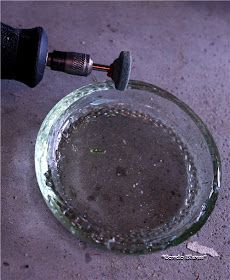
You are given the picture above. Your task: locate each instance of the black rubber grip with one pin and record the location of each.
(23, 54)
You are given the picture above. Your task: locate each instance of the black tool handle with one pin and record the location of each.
(23, 54)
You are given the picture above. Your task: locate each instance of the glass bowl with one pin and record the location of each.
(134, 171)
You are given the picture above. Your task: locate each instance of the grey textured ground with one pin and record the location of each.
(182, 47)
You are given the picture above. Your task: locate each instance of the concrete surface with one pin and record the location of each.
(182, 47)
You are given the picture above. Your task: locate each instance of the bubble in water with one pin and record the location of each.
(110, 243)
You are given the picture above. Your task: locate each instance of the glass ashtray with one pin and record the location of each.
(134, 171)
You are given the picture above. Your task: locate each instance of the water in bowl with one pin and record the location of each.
(124, 170)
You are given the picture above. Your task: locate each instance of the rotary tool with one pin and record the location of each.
(24, 56)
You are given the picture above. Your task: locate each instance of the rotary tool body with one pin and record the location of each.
(25, 56)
